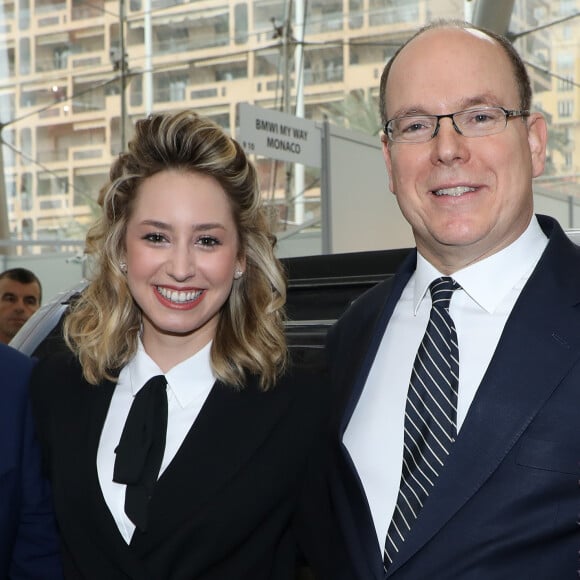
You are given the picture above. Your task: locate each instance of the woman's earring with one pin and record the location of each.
(238, 274)
(123, 267)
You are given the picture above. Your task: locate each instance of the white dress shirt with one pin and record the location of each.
(188, 386)
(480, 309)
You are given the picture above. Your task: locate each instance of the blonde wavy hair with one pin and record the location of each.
(103, 324)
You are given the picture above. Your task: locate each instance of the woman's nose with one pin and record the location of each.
(181, 266)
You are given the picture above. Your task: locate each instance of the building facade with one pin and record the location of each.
(76, 74)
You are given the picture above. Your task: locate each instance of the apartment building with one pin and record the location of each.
(76, 74)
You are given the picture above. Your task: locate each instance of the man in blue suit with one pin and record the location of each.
(29, 547)
(461, 147)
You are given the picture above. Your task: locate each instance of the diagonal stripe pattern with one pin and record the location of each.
(430, 414)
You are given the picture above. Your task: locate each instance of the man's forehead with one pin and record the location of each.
(447, 42)
(453, 32)
(436, 68)
(9, 286)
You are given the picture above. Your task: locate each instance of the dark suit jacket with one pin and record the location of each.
(28, 538)
(220, 511)
(505, 506)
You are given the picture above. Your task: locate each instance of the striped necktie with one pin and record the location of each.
(430, 415)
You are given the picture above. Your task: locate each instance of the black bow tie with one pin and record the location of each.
(141, 447)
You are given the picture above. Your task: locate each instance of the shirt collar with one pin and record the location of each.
(488, 281)
(187, 380)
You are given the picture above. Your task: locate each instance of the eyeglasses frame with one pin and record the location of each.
(509, 114)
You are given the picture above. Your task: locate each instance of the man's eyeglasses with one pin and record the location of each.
(470, 123)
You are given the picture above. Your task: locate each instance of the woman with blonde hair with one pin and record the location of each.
(174, 431)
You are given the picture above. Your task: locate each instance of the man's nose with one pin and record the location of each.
(449, 144)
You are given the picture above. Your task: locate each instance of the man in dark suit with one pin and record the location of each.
(498, 496)
(28, 538)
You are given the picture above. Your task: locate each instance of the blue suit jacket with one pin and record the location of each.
(506, 505)
(28, 539)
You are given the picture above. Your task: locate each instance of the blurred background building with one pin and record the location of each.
(76, 74)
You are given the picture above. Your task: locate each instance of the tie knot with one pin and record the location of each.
(442, 290)
(156, 383)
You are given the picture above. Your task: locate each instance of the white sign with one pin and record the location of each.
(279, 136)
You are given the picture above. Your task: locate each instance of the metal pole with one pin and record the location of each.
(148, 74)
(468, 10)
(325, 190)
(299, 79)
(4, 107)
(493, 15)
(286, 37)
(4, 225)
(286, 56)
(123, 73)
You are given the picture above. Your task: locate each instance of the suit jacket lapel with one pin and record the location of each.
(370, 339)
(538, 346)
(99, 399)
(346, 487)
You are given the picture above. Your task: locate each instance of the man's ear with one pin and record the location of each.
(537, 139)
(388, 161)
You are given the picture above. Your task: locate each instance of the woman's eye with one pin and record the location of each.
(155, 238)
(208, 241)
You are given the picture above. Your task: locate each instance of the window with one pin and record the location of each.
(566, 108)
(567, 7)
(24, 45)
(170, 87)
(177, 88)
(565, 62)
(355, 10)
(241, 23)
(26, 142)
(567, 32)
(392, 12)
(26, 192)
(27, 229)
(565, 84)
(60, 57)
(24, 15)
